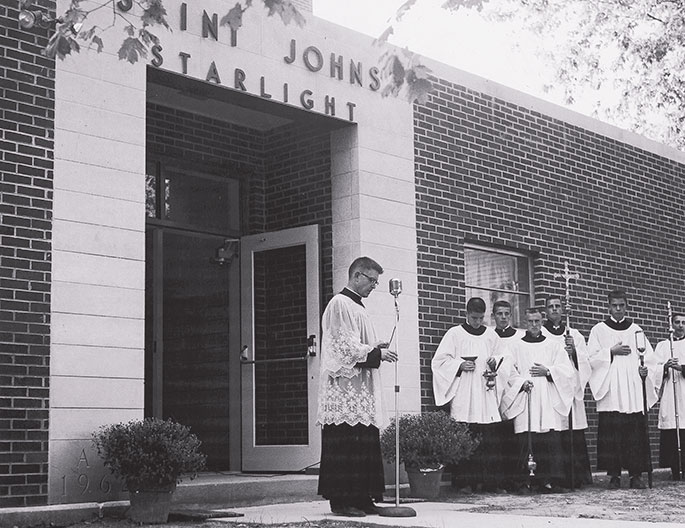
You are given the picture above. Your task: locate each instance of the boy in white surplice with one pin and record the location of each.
(542, 379)
(470, 377)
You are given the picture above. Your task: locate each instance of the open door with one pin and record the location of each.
(279, 356)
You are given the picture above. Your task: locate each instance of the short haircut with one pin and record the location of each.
(551, 297)
(618, 294)
(677, 314)
(363, 264)
(533, 310)
(475, 305)
(501, 304)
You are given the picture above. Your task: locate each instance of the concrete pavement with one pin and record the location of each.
(429, 514)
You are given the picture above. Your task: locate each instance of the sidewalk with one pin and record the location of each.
(429, 514)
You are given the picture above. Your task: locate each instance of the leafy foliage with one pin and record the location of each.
(139, 40)
(428, 440)
(149, 454)
(621, 59)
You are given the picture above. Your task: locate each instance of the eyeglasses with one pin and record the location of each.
(371, 279)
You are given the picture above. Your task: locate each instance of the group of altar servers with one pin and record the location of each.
(522, 394)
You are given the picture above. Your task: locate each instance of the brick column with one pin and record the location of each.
(27, 103)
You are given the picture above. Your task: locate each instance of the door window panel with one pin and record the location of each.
(280, 302)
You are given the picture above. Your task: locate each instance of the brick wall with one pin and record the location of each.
(27, 103)
(497, 174)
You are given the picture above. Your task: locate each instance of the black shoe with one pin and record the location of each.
(348, 511)
(369, 508)
(637, 483)
(615, 483)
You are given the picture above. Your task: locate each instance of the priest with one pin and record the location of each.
(616, 384)
(350, 406)
(538, 398)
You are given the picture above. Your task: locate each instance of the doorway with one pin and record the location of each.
(192, 296)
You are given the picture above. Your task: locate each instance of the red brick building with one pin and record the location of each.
(171, 232)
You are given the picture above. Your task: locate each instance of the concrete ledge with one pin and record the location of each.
(61, 514)
(247, 490)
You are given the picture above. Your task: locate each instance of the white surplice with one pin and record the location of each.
(550, 401)
(616, 383)
(469, 398)
(348, 394)
(582, 375)
(667, 406)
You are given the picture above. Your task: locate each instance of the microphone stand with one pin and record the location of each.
(675, 392)
(641, 347)
(396, 510)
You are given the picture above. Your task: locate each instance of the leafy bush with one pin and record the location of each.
(149, 454)
(428, 440)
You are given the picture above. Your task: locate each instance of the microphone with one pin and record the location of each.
(395, 286)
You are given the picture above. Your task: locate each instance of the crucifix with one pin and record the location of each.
(567, 276)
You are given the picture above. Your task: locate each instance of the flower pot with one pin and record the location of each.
(150, 506)
(424, 483)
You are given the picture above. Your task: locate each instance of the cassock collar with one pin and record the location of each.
(555, 330)
(505, 332)
(474, 331)
(678, 338)
(352, 295)
(530, 339)
(615, 325)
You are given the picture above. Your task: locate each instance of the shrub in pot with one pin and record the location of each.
(427, 443)
(150, 456)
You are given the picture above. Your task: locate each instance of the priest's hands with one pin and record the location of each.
(527, 386)
(643, 371)
(619, 349)
(388, 355)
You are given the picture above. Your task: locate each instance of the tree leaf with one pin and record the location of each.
(234, 18)
(61, 44)
(403, 9)
(154, 13)
(131, 50)
(454, 5)
(148, 38)
(97, 41)
(383, 38)
(419, 90)
(286, 11)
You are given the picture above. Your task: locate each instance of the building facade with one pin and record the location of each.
(172, 230)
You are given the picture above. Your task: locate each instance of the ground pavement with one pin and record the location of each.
(428, 514)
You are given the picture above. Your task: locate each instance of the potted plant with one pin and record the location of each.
(428, 442)
(150, 456)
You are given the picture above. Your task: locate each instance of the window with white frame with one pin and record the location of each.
(497, 274)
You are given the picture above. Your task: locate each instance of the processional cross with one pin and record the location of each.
(567, 276)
